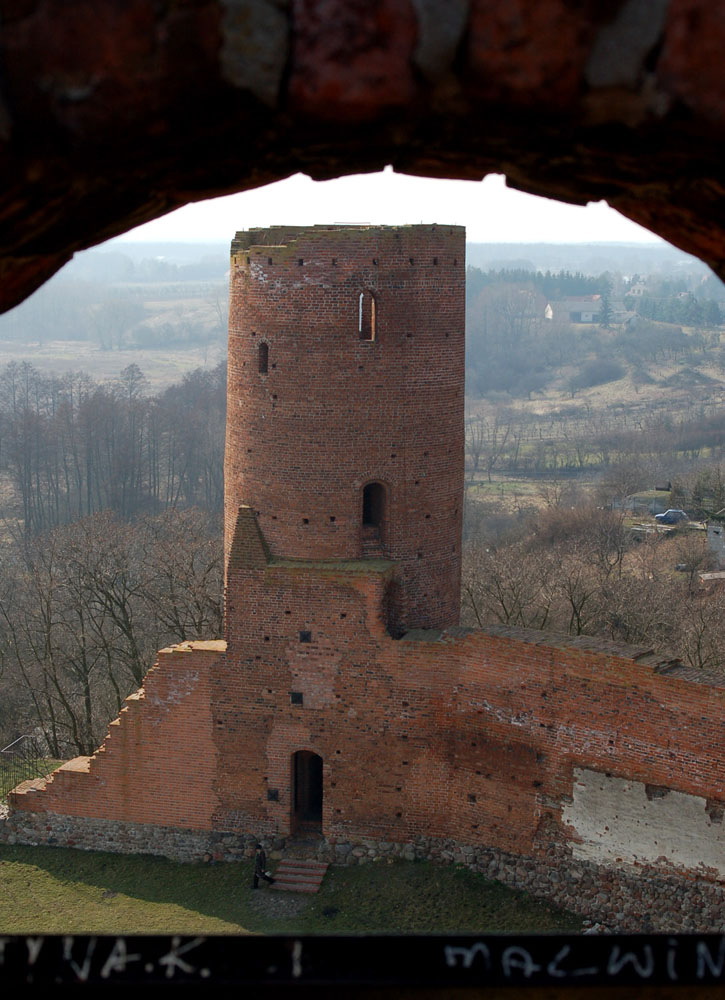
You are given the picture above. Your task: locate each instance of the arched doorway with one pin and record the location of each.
(306, 792)
(373, 511)
(373, 520)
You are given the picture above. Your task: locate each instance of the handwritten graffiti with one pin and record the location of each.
(495, 959)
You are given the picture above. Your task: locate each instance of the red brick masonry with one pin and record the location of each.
(457, 734)
(523, 742)
(334, 411)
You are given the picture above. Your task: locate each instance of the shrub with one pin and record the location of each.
(597, 372)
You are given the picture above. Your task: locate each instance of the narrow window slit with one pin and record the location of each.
(366, 325)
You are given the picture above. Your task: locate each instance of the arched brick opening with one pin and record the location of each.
(373, 506)
(622, 101)
(367, 316)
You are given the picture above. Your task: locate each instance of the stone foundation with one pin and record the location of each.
(629, 899)
(89, 834)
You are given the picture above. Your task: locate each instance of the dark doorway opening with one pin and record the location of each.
(373, 517)
(373, 505)
(307, 792)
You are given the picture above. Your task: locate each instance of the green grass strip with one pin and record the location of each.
(57, 890)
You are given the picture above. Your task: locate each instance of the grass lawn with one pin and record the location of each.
(53, 890)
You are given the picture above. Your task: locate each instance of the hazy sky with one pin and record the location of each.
(491, 212)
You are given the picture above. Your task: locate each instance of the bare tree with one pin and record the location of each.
(85, 607)
(508, 585)
(474, 438)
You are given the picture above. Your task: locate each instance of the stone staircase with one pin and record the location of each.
(299, 875)
(372, 546)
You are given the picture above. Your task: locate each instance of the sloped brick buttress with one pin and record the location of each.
(155, 773)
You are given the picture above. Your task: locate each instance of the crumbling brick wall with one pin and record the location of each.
(157, 765)
(474, 735)
(346, 646)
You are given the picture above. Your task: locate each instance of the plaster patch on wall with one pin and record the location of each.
(619, 822)
(258, 272)
(503, 715)
(177, 690)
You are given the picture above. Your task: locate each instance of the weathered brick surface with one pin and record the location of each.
(157, 765)
(466, 734)
(334, 412)
(114, 113)
(448, 742)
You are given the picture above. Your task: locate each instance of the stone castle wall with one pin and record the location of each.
(157, 764)
(486, 736)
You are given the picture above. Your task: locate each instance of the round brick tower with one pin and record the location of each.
(345, 401)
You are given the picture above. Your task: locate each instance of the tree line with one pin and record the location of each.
(576, 439)
(551, 284)
(579, 571)
(683, 308)
(112, 541)
(72, 447)
(84, 607)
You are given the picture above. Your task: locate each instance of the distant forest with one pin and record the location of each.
(120, 303)
(72, 447)
(553, 285)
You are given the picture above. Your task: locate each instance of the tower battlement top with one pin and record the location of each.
(246, 239)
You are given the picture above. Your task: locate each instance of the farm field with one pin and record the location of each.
(162, 366)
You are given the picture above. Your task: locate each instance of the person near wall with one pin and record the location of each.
(260, 865)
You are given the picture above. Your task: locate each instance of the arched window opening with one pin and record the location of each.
(263, 356)
(306, 792)
(366, 316)
(373, 505)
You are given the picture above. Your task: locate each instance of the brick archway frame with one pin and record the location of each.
(113, 113)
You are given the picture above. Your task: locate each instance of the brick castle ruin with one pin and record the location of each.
(346, 711)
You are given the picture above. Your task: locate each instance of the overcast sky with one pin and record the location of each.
(491, 212)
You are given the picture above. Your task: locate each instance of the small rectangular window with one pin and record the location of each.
(305, 636)
(296, 698)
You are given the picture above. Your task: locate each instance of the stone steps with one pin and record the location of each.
(372, 546)
(299, 875)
